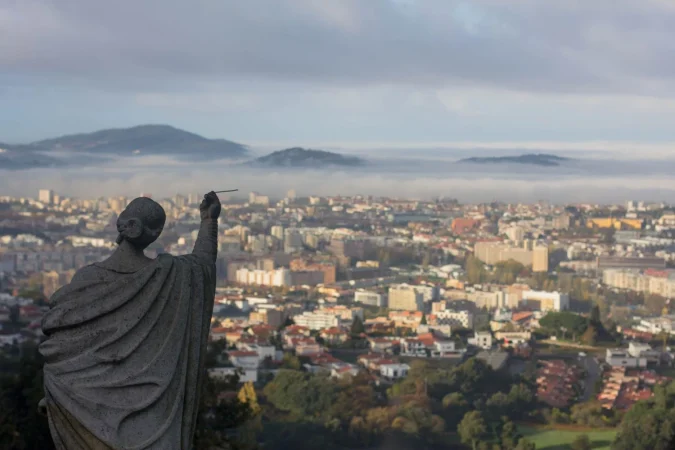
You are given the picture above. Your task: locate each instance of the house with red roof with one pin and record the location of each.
(334, 335)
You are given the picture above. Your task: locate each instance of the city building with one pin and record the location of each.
(482, 339)
(370, 298)
(540, 259)
(46, 196)
(278, 278)
(619, 262)
(463, 319)
(546, 301)
(617, 357)
(615, 222)
(317, 320)
(405, 297)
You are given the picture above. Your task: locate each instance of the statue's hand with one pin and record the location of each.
(210, 207)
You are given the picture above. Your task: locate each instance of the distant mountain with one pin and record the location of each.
(305, 158)
(537, 159)
(141, 140)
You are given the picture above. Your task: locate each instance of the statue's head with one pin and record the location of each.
(141, 222)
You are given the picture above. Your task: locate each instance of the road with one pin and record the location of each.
(593, 374)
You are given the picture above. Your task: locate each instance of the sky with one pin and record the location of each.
(343, 72)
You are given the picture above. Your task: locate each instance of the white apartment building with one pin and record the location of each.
(370, 298)
(429, 293)
(633, 280)
(317, 320)
(546, 301)
(279, 277)
(342, 312)
(456, 318)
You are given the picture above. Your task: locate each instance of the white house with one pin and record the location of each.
(394, 371)
(513, 338)
(343, 370)
(246, 360)
(482, 339)
(442, 348)
(381, 345)
(263, 351)
(413, 347)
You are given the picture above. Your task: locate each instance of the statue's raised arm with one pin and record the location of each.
(206, 245)
(124, 353)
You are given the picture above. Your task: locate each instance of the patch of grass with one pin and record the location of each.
(561, 439)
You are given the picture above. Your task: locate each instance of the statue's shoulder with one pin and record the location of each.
(88, 273)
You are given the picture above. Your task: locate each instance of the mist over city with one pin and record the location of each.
(413, 173)
(337, 225)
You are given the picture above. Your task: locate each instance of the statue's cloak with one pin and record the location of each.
(124, 355)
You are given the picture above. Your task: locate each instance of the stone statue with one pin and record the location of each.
(126, 339)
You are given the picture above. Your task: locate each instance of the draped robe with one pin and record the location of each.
(125, 353)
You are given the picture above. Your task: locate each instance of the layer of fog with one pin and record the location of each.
(424, 177)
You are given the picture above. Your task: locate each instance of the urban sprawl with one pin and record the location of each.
(577, 295)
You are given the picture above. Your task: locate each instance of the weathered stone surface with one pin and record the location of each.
(125, 343)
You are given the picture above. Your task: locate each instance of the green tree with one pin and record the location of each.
(21, 425)
(357, 327)
(582, 442)
(217, 418)
(475, 270)
(472, 428)
(595, 315)
(509, 436)
(573, 323)
(424, 319)
(524, 444)
(649, 424)
(291, 362)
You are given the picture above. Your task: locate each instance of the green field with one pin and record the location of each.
(550, 439)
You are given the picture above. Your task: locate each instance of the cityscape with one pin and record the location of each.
(337, 225)
(562, 310)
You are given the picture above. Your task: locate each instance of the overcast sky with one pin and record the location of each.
(342, 71)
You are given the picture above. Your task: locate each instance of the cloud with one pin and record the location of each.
(604, 46)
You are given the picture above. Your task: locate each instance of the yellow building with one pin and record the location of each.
(540, 259)
(615, 222)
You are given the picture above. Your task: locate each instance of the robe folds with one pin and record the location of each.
(124, 355)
